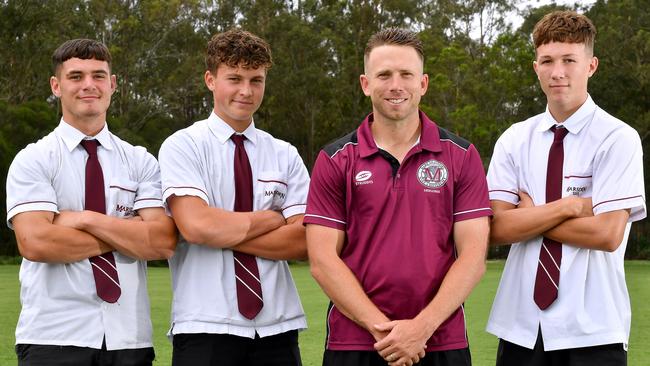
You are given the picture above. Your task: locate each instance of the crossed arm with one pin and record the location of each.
(398, 341)
(567, 220)
(71, 236)
(260, 233)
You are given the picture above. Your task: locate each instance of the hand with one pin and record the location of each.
(405, 343)
(70, 219)
(580, 207)
(525, 201)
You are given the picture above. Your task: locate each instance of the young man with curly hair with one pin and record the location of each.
(238, 196)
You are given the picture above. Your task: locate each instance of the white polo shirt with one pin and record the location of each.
(198, 161)
(602, 160)
(59, 301)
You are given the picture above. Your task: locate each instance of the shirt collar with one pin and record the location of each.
(222, 131)
(72, 136)
(429, 138)
(575, 122)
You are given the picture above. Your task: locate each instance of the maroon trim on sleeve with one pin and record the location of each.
(30, 202)
(503, 190)
(185, 187)
(617, 199)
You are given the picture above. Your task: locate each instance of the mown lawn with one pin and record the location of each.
(483, 345)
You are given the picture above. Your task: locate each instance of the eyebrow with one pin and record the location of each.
(76, 72)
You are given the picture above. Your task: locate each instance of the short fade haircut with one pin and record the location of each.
(394, 37)
(565, 26)
(235, 48)
(81, 48)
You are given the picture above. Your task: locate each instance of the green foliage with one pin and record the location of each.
(481, 76)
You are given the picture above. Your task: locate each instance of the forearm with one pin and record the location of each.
(460, 280)
(520, 224)
(345, 291)
(601, 232)
(42, 241)
(139, 239)
(287, 242)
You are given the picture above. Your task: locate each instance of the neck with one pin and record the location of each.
(87, 126)
(562, 112)
(390, 132)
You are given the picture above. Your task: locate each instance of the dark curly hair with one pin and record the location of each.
(564, 26)
(82, 48)
(237, 47)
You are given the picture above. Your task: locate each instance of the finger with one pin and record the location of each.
(386, 327)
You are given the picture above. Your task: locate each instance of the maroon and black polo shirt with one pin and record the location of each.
(398, 221)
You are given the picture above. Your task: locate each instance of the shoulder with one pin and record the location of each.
(341, 144)
(609, 126)
(187, 137)
(41, 152)
(453, 139)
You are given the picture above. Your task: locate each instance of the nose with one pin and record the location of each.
(395, 84)
(246, 90)
(88, 82)
(558, 73)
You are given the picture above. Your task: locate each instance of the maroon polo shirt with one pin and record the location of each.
(398, 221)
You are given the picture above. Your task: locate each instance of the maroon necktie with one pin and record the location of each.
(249, 288)
(107, 282)
(550, 254)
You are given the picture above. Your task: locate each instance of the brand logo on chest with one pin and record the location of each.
(432, 174)
(363, 177)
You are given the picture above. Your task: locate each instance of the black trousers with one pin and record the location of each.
(228, 350)
(458, 357)
(45, 355)
(510, 354)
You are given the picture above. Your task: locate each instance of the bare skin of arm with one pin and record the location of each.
(604, 231)
(288, 242)
(324, 245)
(512, 224)
(40, 240)
(150, 235)
(407, 338)
(260, 233)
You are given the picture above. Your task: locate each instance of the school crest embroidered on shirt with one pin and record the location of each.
(432, 174)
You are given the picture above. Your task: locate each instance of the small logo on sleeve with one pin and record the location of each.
(432, 174)
(363, 177)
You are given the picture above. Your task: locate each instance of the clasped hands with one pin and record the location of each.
(401, 342)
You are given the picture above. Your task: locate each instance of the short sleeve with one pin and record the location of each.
(618, 175)
(29, 183)
(149, 193)
(470, 192)
(297, 187)
(179, 168)
(326, 200)
(502, 175)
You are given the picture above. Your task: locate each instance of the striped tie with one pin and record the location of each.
(547, 280)
(249, 287)
(107, 281)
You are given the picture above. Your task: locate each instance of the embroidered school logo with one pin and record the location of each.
(363, 177)
(432, 174)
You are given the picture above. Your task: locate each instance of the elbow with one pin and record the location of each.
(31, 249)
(610, 243)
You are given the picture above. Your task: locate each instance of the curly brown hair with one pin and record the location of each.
(394, 37)
(81, 48)
(566, 27)
(235, 48)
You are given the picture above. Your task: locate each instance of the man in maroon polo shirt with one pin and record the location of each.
(397, 223)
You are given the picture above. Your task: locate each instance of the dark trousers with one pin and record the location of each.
(457, 357)
(229, 350)
(45, 355)
(510, 354)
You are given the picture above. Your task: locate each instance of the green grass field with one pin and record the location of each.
(483, 345)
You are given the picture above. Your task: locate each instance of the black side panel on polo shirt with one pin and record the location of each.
(446, 135)
(338, 144)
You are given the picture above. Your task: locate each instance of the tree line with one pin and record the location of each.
(480, 68)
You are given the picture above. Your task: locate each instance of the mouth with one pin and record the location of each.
(396, 100)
